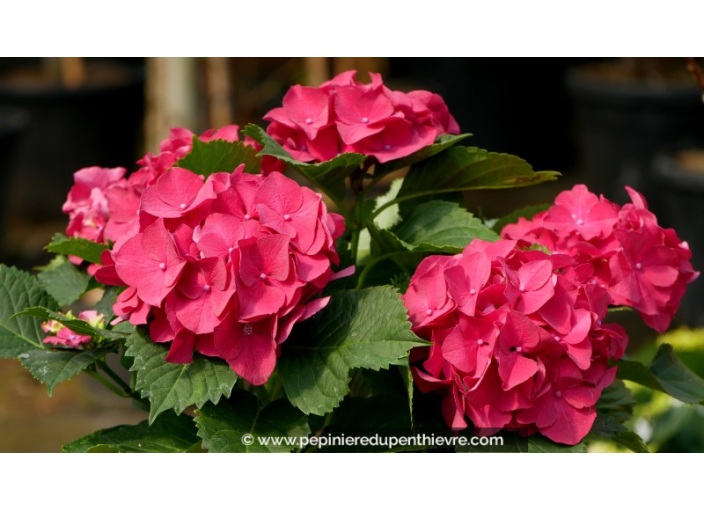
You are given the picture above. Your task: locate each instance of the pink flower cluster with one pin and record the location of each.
(102, 204)
(344, 115)
(225, 265)
(518, 340)
(621, 249)
(58, 334)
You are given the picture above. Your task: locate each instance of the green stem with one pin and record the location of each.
(116, 378)
(276, 390)
(356, 228)
(368, 267)
(358, 191)
(398, 200)
(102, 380)
(376, 179)
(357, 384)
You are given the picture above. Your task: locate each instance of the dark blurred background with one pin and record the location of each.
(607, 123)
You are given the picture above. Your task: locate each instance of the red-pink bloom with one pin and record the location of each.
(518, 340)
(87, 202)
(344, 115)
(150, 263)
(225, 266)
(623, 250)
(103, 205)
(60, 335)
(580, 211)
(304, 108)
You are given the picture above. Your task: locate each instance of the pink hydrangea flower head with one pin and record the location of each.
(231, 272)
(87, 202)
(103, 204)
(621, 249)
(60, 335)
(512, 330)
(345, 115)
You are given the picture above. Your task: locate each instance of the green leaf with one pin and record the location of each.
(608, 427)
(172, 385)
(82, 248)
(468, 168)
(329, 176)
(19, 290)
(206, 158)
(53, 367)
(76, 325)
(405, 372)
(666, 373)
(383, 417)
(389, 217)
(444, 225)
(64, 282)
(436, 227)
(616, 401)
(514, 443)
(106, 302)
(629, 370)
(221, 427)
(168, 434)
(358, 329)
(443, 143)
(525, 212)
(615, 406)
(676, 379)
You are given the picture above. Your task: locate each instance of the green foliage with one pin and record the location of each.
(381, 416)
(443, 143)
(407, 376)
(358, 329)
(442, 226)
(525, 212)
(104, 306)
(617, 401)
(64, 281)
(53, 367)
(167, 434)
(330, 176)
(665, 373)
(79, 247)
(435, 227)
(221, 427)
(206, 158)
(76, 325)
(19, 290)
(514, 443)
(608, 427)
(176, 386)
(615, 407)
(467, 168)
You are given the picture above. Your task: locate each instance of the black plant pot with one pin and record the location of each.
(13, 121)
(96, 124)
(682, 198)
(621, 125)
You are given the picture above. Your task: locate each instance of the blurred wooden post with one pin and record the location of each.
(73, 72)
(70, 72)
(317, 70)
(364, 65)
(171, 97)
(218, 79)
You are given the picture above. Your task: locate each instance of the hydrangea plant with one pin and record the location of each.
(240, 304)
